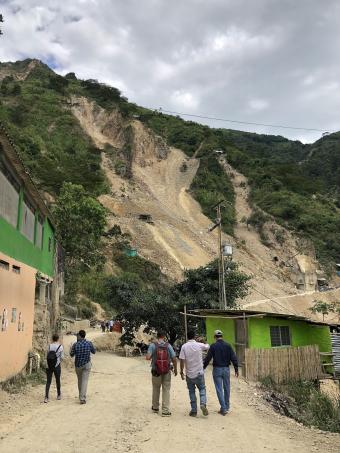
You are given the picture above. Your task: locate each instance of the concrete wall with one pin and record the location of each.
(16, 292)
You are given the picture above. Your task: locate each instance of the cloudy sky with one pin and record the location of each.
(262, 61)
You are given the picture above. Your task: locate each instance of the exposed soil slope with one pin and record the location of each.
(178, 238)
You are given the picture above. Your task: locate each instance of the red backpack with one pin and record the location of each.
(162, 362)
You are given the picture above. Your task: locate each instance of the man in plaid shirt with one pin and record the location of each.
(82, 351)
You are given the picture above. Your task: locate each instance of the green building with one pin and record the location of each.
(28, 260)
(260, 330)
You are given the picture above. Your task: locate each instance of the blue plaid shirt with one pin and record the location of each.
(82, 351)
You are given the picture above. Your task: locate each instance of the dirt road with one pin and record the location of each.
(118, 418)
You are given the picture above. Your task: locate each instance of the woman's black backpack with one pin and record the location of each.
(52, 358)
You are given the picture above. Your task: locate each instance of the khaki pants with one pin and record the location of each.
(163, 381)
(83, 374)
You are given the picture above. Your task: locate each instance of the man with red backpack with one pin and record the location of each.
(161, 355)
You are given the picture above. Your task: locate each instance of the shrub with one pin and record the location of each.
(304, 401)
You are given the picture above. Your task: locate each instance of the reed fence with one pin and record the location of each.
(283, 364)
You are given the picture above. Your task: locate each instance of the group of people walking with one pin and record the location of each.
(81, 351)
(163, 363)
(192, 365)
(110, 326)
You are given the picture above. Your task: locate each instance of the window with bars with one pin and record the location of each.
(280, 336)
(9, 195)
(28, 220)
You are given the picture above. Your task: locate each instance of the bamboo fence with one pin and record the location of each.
(283, 364)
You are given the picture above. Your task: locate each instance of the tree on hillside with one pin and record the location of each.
(319, 306)
(80, 222)
(200, 287)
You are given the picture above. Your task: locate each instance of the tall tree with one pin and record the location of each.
(80, 222)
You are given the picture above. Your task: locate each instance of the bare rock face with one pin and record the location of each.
(132, 141)
(146, 146)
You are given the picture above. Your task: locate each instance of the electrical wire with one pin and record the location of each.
(275, 301)
(277, 126)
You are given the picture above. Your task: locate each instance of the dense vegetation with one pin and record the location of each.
(49, 138)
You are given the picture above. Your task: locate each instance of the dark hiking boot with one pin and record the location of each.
(204, 410)
(154, 410)
(192, 414)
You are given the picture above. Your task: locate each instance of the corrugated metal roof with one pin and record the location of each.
(240, 312)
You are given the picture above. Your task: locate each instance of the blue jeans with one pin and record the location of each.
(221, 376)
(200, 384)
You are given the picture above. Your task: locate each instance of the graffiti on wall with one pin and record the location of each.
(4, 320)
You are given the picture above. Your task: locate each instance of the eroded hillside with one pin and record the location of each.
(178, 236)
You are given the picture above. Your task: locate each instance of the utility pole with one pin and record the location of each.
(221, 269)
(1, 20)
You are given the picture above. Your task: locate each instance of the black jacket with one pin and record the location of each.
(222, 354)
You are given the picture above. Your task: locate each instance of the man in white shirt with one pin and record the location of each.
(191, 357)
(55, 354)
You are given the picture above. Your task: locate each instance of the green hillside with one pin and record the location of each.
(297, 184)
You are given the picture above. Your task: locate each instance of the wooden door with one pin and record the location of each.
(240, 340)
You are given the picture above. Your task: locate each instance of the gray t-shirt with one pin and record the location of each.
(60, 352)
(152, 352)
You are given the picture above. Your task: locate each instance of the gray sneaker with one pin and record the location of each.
(59, 397)
(46, 399)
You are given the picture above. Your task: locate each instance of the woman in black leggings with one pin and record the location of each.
(55, 355)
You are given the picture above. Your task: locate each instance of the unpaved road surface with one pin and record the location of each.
(117, 418)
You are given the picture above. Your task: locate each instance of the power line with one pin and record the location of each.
(275, 302)
(277, 126)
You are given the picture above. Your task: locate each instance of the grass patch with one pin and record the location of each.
(18, 383)
(304, 402)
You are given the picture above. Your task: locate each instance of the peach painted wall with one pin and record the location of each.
(17, 290)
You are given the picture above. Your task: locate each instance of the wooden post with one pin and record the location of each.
(185, 322)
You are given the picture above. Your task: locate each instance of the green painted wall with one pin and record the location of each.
(302, 333)
(17, 246)
(226, 325)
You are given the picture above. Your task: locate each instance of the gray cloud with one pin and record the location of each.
(267, 61)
